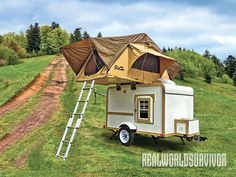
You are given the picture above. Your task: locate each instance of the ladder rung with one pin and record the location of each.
(87, 88)
(77, 114)
(60, 156)
(73, 127)
(83, 101)
(65, 141)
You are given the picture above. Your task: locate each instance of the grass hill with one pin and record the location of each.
(17, 76)
(94, 154)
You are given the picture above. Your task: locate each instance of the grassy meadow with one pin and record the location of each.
(94, 154)
(18, 76)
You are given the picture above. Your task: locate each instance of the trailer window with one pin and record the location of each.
(144, 109)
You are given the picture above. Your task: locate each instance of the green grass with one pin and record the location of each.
(94, 154)
(18, 76)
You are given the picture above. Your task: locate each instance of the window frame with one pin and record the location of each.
(150, 99)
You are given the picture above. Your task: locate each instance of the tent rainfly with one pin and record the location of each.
(123, 59)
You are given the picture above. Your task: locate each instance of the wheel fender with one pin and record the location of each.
(129, 124)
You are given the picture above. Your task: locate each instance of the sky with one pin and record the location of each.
(192, 24)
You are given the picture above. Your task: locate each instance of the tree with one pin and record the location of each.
(71, 38)
(21, 39)
(62, 37)
(55, 25)
(207, 78)
(36, 38)
(76, 36)
(99, 34)
(56, 38)
(234, 78)
(219, 67)
(230, 65)
(85, 35)
(206, 54)
(164, 50)
(33, 38)
(44, 32)
(30, 41)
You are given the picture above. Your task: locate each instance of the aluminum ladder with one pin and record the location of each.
(71, 120)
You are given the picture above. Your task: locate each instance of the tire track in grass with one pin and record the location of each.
(43, 111)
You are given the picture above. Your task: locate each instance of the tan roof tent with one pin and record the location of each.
(123, 59)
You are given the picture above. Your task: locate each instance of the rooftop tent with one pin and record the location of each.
(122, 59)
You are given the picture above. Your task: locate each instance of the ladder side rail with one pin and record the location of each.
(78, 121)
(77, 125)
(70, 119)
(87, 99)
(62, 141)
(77, 104)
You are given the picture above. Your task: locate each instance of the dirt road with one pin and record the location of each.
(30, 90)
(46, 106)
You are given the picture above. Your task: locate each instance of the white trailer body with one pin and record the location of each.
(160, 110)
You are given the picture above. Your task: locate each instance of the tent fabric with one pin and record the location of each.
(121, 59)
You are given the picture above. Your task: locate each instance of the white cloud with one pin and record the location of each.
(169, 24)
(229, 40)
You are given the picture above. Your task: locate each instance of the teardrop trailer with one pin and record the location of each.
(142, 98)
(159, 110)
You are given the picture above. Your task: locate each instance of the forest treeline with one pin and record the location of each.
(36, 41)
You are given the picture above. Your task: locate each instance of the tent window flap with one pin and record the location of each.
(148, 62)
(94, 65)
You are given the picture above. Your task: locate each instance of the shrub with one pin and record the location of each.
(226, 79)
(208, 68)
(15, 42)
(13, 58)
(8, 56)
(207, 78)
(187, 69)
(34, 54)
(17, 48)
(193, 65)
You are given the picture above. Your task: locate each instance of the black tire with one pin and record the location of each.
(189, 139)
(126, 136)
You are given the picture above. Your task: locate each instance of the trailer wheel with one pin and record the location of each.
(189, 139)
(126, 136)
